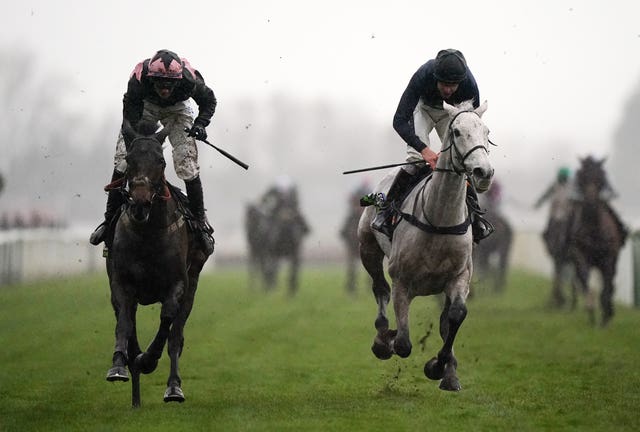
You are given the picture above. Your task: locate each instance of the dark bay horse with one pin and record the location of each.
(152, 258)
(595, 237)
(431, 250)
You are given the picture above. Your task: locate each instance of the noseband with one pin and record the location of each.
(160, 192)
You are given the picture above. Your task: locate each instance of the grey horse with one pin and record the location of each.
(431, 250)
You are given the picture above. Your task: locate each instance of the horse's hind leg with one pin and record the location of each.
(445, 364)
(606, 295)
(372, 256)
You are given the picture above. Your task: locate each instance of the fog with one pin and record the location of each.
(308, 89)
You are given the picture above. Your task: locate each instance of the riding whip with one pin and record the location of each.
(383, 167)
(233, 158)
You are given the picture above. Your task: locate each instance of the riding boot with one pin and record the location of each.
(196, 205)
(383, 220)
(115, 200)
(480, 227)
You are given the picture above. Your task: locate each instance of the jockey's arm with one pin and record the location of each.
(133, 102)
(403, 118)
(206, 100)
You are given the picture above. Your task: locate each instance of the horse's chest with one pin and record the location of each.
(150, 270)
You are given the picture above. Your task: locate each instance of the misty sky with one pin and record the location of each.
(552, 71)
(557, 74)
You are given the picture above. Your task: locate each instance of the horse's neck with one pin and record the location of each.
(444, 196)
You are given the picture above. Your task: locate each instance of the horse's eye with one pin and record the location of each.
(456, 133)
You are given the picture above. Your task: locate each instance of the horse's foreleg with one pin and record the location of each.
(606, 295)
(582, 280)
(557, 298)
(124, 311)
(293, 273)
(401, 302)
(445, 364)
(133, 348)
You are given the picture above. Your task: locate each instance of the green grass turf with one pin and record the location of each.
(265, 361)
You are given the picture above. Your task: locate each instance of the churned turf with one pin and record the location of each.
(265, 361)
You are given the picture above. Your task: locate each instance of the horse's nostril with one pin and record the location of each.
(479, 172)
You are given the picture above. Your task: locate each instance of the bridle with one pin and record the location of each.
(160, 189)
(455, 153)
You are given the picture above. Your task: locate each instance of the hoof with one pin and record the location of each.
(433, 370)
(173, 394)
(145, 363)
(118, 373)
(382, 344)
(450, 384)
(402, 347)
(381, 351)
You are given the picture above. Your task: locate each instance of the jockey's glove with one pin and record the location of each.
(198, 131)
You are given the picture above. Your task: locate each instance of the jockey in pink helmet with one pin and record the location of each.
(159, 90)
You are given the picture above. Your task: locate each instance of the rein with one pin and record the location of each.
(120, 185)
(427, 226)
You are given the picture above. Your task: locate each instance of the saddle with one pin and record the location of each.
(480, 226)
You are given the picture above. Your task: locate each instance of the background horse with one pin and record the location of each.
(596, 236)
(273, 236)
(555, 235)
(432, 245)
(491, 255)
(349, 236)
(152, 258)
(253, 221)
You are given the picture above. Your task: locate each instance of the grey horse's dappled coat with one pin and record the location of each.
(430, 262)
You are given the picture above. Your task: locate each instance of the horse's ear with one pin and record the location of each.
(128, 133)
(450, 109)
(482, 108)
(162, 134)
